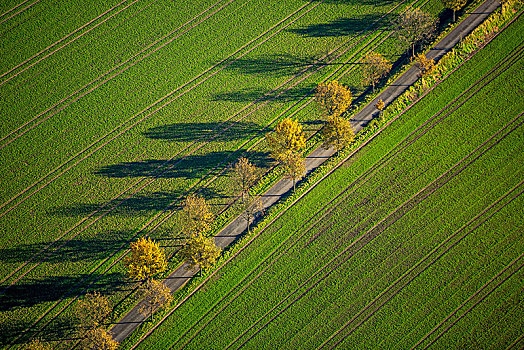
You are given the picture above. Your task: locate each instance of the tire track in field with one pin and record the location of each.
(81, 92)
(423, 264)
(22, 10)
(62, 39)
(378, 228)
(477, 294)
(176, 155)
(159, 168)
(14, 8)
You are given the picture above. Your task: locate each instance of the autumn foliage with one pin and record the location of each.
(287, 136)
(374, 67)
(145, 260)
(198, 215)
(200, 251)
(337, 132)
(333, 98)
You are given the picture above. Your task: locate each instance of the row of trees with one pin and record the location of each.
(287, 143)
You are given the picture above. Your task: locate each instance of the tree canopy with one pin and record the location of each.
(156, 295)
(337, 132)
(198, 215)
(425, 65)
(374, 67)
(145, 260)
(92, 309)
(333, 98)
(414, 26)
(287, 137)
(294, 166)
(200, 251)
(245, 176)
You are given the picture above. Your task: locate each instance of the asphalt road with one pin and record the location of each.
(236, 228)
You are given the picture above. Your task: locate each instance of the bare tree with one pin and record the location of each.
(156, 296)
(245, 176)
(414, 26)
(250, 209)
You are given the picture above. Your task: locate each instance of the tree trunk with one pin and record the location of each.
(453, 15)
(373, 84)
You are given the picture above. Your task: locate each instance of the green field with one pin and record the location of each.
(112, 113)
(415, 241)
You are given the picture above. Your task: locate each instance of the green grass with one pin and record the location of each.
(267, 285)
(95, 172)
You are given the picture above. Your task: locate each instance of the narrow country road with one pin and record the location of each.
(235, 229)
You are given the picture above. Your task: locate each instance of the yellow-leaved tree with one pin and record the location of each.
(374, 67)
(200, 251)
(425, 65)
(286, 144)
(294, 166)
(245, 176)
(145, 260)
(198, 215)
(333, 98)
(337, 132)
(99, 339)
(288, 136)
(156, 295)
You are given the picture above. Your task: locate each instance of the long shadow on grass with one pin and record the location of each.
(141, 204)
(343, 26)
(275, 64)
(59, 329)
(49, 289)
(259, 94)
(190, 167)
(189, 132)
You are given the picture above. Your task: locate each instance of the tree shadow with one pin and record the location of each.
(74, 250)
(141, 204)
(189, 132)
(259, 94)
(50, 289)
(343, 26)
(275, 64)
(190, 167)
(59, 329)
